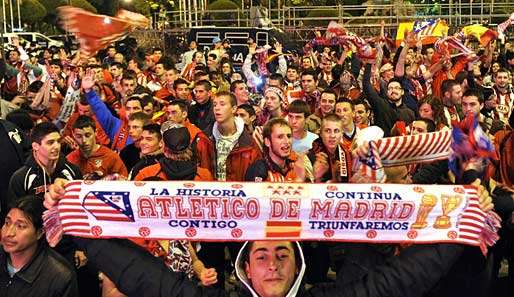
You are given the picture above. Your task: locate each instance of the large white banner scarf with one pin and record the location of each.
(223, 211)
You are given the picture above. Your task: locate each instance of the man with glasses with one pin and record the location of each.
(387, 110)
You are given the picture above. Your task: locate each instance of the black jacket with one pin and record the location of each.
(137, 273)
(202, 116)
(46, 275)
(32, 180)
(385, 113)
(14, 149)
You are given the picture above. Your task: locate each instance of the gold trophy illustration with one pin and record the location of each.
(448, 204)
(428, 201)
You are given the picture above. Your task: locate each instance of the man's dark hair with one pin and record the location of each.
(268, 127)
(181, 104)
(32, 208)
(166, 62)
(83, 121)
(140, 116)
(293, 66)
(35, 86)
(154, 129)
(212, 55)
(232, 97)
(329, 91)
(299, 106)
(41, 130)
(430, 124)
(205, 83)
(234, 84)
(138, 61)
(475, 93)
(447, 86)
(135, 98)
(129, 75)
(248, 108)
(461, 76)
(56, 62)
(147, 99)
(117, 64)
(179, 81)
(277, 76)
(363, 102)
(346, 100)
(310, 72)
(395, 79)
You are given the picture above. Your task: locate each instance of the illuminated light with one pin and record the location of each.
(107, 20)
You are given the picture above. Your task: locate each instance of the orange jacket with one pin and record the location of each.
(103, 160)
(202, 174)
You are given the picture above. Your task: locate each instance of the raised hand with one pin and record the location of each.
(88, 80)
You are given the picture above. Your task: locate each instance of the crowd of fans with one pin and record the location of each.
(293, 118)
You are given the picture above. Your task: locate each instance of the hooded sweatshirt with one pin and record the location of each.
(241, 274)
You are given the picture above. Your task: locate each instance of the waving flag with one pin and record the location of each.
(428, 30)
(94, 32)
(483, 34)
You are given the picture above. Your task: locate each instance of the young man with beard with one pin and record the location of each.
(472, 103)
(92, 158)
(387, 110)
(279, 162)
(182, 92)
(451, 92)
(504, 101)
(151, 146)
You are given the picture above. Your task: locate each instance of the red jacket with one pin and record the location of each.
(244, 153)
(103, 160)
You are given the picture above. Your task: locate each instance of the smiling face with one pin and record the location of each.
(361, 115)
(271, 267)
(394, 91)
(149, 143)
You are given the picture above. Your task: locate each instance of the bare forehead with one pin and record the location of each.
(271, 246)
